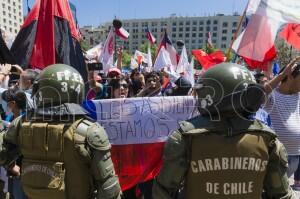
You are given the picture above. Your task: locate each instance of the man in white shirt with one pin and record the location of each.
(283, 105)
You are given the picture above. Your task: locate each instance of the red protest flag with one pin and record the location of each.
(48, 36)
(291, 33)
(209, 60)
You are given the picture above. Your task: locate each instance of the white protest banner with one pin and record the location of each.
(142, 120)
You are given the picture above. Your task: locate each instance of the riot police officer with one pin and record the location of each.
(65, 155)
(222, 153)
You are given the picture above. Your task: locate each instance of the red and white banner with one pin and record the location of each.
(107, 54)
(137, 129)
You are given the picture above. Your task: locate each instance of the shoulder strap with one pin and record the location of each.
(82, 127)
(229, 127)
(196, 125)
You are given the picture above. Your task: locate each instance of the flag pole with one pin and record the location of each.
(238, 29)
(115, 44)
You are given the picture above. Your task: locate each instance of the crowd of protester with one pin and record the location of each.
(281, 111)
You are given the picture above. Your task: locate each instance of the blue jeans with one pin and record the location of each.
(293, 165)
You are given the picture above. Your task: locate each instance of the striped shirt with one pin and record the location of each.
(285, 116)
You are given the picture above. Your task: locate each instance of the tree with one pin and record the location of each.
(126, 58)
(285, 52)
(84, 45)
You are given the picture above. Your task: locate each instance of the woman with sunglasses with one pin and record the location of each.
(118, 88)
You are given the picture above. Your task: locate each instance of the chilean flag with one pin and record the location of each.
(167, 44)
(137, 129)
(149, 36)
(48, 36)
(121, 32)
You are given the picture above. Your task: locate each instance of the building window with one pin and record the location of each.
(180, 35)
(187, 34)
(214, 34)
(174, 24)
(163, 23)
(224, 38)
(201, 22)
(8, 7)
(234, 24)
(207, 28)
(181, 23)
(215, 28)
(214, 41)
(187, 23)
(215, 22)
(154, 23)
(194, 29)
(193, 41)
(3, 5)
(173, 35)
(4, 20)
(200, 28)
(223, 46)
(187, 29)
(200, 35)
(208, 22)
(194, 23)
(233, 30)
(224, 31)
(225, 24)
(174, 29)
(4, 13)
(194, 35)
(180, 29)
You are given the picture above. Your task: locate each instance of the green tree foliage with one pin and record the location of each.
(84, 45)
(126, 58)
(285, 53)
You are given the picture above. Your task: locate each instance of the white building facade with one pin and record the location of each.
(192, 30)
(11, 16)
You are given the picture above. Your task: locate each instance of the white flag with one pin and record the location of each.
(183, 62)
(163, 60)
(107, 55)
(189, 75)
(95, 52)
(133, 63)
(149, 68)
(138, 54)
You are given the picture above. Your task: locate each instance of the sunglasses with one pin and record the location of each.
(121, 85)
